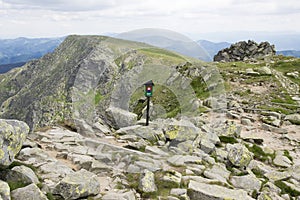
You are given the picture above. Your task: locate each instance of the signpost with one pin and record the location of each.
(148, 93)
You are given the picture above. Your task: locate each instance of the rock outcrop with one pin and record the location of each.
(244, 51)
(12, 135)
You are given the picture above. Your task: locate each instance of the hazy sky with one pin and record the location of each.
(49, 18)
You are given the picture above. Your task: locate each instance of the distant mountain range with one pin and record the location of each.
(16, 52)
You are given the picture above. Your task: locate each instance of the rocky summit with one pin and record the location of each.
(245, 51)
(221, 130)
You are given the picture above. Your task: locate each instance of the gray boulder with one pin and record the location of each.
(145, 132)
(77, 185)
(29, 192)
(119, 196)
(120, 118)
(197, 190)
(248, 182)
(281, 160)
(218, 172)
(147, 182)
(265, 70)
(239, 155)
(12, 135)
(294, 118)
(4, 191)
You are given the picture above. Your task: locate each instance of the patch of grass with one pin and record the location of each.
(98, 98)
(50, 196)
(255, 194)
(200, 88)
(285, 66)
(286, 189)
(226, 139)
(287, 154)
(16, 184)
(259, 154)
(258, 173)
(160, 52)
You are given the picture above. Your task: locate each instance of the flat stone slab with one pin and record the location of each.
(198, 191)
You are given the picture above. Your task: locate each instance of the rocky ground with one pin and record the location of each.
(170, 159)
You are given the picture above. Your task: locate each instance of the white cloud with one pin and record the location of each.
(54, 17)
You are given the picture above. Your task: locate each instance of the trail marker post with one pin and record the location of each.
(148, 93)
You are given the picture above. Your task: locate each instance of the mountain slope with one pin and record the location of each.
(85, 76)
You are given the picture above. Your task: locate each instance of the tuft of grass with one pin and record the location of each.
(259, 153)
(286, 189)
(287, 154)
(226, 139)
(200, 88)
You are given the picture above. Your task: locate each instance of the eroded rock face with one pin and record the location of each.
(12, 135)
(243, 51)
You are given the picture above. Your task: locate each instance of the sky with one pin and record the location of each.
(194, 18)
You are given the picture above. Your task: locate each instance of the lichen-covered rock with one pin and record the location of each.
(12, 135)
(239, 155)
(77, 185)
(20, 174)
(147, 182)
(197, 190)
(29, 192)
(4, 191)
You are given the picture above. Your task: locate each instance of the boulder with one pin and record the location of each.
(12, 135)
(172, 177)
(218, 172)
(147, 182)
(146, 132)
(251, 72)
(247, 182)
(120, 118)
(20, 174)
(239, 155)
(293, 118)
(180, 193)
(77, 185)
(281, 160)
(271, 120)
(265, 70)
(119, 196)
(4, 191)
(29, 192)
(197, 190)
(181, 160)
